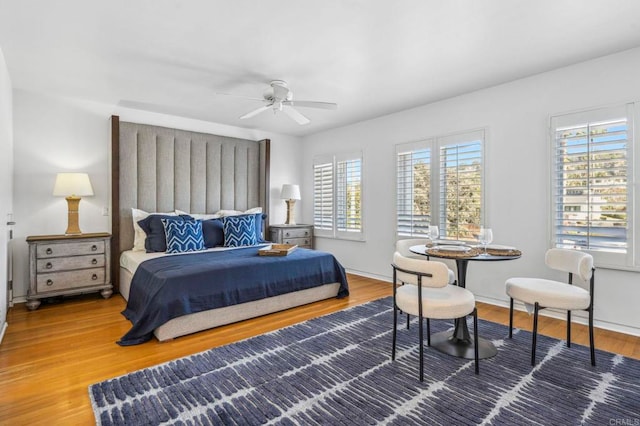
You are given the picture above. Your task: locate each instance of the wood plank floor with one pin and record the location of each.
(49, 357)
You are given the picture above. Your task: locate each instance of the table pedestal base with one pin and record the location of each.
(462, 348)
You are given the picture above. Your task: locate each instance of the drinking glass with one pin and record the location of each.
(485, 237)
(434, 233)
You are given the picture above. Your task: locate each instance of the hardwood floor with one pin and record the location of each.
(49, 357)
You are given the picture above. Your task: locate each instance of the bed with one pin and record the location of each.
(158, 169)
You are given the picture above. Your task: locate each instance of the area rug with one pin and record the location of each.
(336, 370)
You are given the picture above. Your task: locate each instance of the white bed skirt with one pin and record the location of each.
(193, 323)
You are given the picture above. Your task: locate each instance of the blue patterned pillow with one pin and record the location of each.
(183, 236)
(240, 230)
(156, 240)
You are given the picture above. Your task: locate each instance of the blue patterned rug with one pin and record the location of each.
(336, 370)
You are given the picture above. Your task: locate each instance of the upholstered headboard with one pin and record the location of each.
(158, 169)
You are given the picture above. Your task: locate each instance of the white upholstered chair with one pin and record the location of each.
(542, 293)
(429, 296)
(403, 246)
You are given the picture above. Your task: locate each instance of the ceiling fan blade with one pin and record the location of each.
(312, 104)
(255, 112)
(297, 117)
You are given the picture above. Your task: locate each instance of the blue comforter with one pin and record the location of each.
(172, 286)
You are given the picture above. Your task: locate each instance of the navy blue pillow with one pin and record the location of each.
(259, 218)
(213, 232)
(183, 235)
(156, 240)
(240, 230)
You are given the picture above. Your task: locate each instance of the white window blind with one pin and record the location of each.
(413, 202)
(461, 188)
(591, 189)
(451, 168)
(338, 196)
(348, 177)
(323, 195)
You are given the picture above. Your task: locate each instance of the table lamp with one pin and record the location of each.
(72, 186)
(290, 193)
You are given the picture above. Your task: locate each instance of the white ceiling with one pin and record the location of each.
(372, 57)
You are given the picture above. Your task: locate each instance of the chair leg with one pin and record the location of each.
(591, 338)
(476, 354)
(535, 333)
(395, 326)
(428, 333)
(511, 318)
(408, 319)
(421, 336)
(568, 329)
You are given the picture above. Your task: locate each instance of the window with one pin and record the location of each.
(440, 182)
(592, 189)
(414, 190)
(337, 196)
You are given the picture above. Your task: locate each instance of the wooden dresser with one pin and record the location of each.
(302, 235)
(68, 264)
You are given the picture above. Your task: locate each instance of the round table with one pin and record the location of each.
(459, 342)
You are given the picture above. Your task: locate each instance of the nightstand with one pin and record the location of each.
(68, 264)
(302, 235)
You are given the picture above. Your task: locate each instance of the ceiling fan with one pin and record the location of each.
(279, 97)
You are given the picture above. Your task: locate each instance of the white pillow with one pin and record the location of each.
(138, 234)
(201, 216)
(222, 213)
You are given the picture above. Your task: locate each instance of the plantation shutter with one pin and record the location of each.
(413, 189)
(460, 185)
(348, 194)
(323, 195)
(337, 189)
(591, 165)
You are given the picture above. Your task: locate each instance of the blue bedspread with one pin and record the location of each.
(172, 286)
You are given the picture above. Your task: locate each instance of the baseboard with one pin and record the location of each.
(578, 317)
(368, 275)
(3, 330)
(19, 299)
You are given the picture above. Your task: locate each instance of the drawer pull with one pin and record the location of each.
(94, 247)
(49, 251)
(94, 261)
(48, 265)
(286, 234)
(306, 241)
(94, 277)
(49, 283)
(306, 233)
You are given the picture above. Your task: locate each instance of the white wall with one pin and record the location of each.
(54, 134)
(517, 174)
(6, 177)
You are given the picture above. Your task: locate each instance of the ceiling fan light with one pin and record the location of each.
(279, 97)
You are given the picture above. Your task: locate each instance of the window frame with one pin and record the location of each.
(591, 116)
(336, 232)
(435, 145)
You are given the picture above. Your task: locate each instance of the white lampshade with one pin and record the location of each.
(290, 192)
(77, 184)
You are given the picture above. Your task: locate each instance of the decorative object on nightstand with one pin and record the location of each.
(290, 193)
(73, 186)
(300, 235)
(68, 264)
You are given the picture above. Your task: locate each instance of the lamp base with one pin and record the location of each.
(73, 204)
(290, 220)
